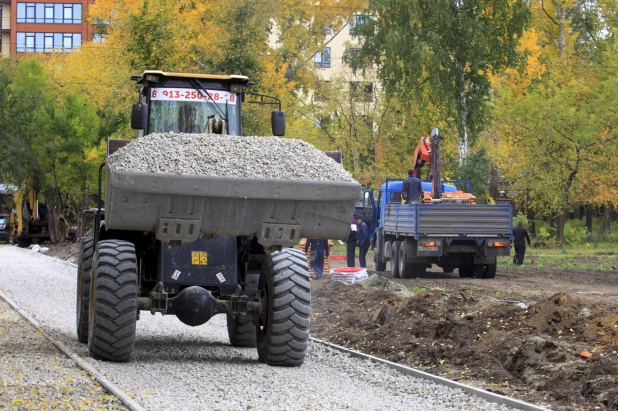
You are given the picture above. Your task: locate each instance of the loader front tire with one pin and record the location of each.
(84, 267)
(113, 301)
(283, 327)
(241, 330)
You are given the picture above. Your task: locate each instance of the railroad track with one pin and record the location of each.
(176, 367)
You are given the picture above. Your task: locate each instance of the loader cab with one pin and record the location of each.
(194, 103)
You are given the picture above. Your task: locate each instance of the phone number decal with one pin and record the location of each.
(186, 94)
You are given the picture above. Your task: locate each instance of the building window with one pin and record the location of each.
(49, 13)
(358, 19)
(48, 42)
(98, 38)
(361, 91)
(322, 58)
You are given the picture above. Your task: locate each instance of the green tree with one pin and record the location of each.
(442, 52)
(564, 122)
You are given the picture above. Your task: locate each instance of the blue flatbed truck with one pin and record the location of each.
(413, 237)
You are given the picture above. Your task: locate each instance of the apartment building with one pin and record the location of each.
(329, 63)
(5, 27)
(42, 27)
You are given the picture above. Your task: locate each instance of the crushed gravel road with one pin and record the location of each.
(228, 156)
(34, 374)
(176, 367)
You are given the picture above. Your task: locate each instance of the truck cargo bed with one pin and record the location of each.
(181, 207)
(448, 220)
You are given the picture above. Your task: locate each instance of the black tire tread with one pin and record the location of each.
(241, 330)
(490, 270)
(395, 261)
(84, 266)
(287, 335)
(112, 333)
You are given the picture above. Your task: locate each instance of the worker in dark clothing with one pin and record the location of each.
(351, 243)
(317, 250)
(363, 241)
(412, 189)
(520, 236)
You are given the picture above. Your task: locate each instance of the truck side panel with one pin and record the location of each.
(451, 220)
(472, 220)
(400, 219)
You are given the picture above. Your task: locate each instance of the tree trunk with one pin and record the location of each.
(531, 216)
(589, 210)
(605, 220)
(560, 227)
(53, 216)
(493, 182)
(561, 13)
(462, 113)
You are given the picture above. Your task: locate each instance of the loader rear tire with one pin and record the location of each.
(113, 301)
(283, 328)
(84, 268)
(241, 330)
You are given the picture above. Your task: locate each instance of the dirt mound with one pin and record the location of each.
(531, 353)
(64, 250)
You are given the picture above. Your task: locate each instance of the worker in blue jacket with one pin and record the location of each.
(363, 241)
(412, 190)
(351, 243)
(318, 249)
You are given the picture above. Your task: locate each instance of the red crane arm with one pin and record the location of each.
(422, 155)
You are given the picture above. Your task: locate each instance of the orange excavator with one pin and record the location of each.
(428, 151)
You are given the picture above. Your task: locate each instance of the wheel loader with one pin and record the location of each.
(195, 246)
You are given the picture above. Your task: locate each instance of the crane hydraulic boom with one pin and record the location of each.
(428, 151)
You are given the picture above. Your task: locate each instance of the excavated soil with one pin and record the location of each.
(527, 348)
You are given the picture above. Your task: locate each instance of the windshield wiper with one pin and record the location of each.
(210, 101)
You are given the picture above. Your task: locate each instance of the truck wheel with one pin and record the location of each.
(241, 330)
(395, 259)
(478, 271)
(466, 271)
(113, 302)
(404, 268)
(283, 329)
(84, 266)
(387, 250)
(380, 265)
(24, 242)
(490, 270)
(448, 269)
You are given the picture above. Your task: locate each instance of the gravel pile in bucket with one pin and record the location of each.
(221, 155)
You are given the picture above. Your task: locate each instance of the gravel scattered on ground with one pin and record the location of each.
(176, 367)
(221, 155)
(34, 374)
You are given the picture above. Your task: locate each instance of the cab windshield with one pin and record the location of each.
(188, 110)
